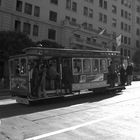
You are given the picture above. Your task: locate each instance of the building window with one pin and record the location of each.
(125, 40)
(138, 32)
(90, 26)
(28, 8)
(125, 27)
(122, 12)
(125, 13)
(105, 19)
(138, 20)
(84, 25)
(35, 30)
(114, 22)
(74, 6)
(85, 11)
(90, 13)
(27, 28)
(129, 16)
(54, 2)
(102, 18)
(68, 4)
(138, 9)
(53, 16)
(51, 34)
(101, 3)
(17, 26)
(36, 11)
(77, 36)
(114, 9)
(19, 6)
(73, 20)
(105, 4)
(67, 18)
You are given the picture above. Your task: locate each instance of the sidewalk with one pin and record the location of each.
(135, 84)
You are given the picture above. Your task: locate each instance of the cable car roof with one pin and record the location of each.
(69, 52)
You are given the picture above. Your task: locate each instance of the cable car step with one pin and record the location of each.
(116, 88)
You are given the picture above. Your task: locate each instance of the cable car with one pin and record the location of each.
(42, 73)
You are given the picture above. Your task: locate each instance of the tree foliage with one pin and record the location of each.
(49, 44)
(12, 43)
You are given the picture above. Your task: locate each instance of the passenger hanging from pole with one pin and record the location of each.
(54, 76)
(111, 74)
(67, 77)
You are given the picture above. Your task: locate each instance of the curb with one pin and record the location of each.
(5, 97)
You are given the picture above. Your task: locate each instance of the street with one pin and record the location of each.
(109, 116)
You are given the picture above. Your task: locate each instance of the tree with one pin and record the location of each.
(136, 57)
(12, 43)
(136, 60)
(49, 44)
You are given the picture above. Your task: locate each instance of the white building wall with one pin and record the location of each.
(64, 34)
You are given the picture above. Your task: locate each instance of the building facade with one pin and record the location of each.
(76, 23)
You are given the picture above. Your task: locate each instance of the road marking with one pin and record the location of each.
(69, 129)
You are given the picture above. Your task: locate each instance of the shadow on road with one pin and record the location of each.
(11, 110)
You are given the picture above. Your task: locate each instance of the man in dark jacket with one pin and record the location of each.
(111, 71)
(122, 75)
(129, 73)
(67, 77)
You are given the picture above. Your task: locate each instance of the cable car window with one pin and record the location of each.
(17, 67)
(23, 66)
(77, 66)
(95, 65)
(103, 65)
(86, 65)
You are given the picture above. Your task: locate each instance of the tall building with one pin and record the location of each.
(82, 24)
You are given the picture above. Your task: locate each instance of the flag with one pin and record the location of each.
(118, 40)
(101, 32)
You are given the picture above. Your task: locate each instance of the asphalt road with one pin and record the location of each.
(110, 116)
